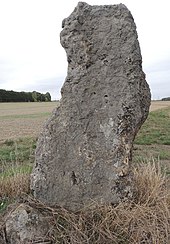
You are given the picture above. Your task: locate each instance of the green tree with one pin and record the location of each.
(47, 97)
(34, 96)
(13, 96)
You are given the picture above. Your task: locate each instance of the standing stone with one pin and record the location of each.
(84, 152)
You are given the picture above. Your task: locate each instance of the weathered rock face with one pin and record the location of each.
(84, 152)
(26, 225)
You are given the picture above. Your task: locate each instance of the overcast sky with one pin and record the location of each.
(31, 57)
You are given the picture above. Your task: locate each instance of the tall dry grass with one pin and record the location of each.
(145, 219)
(14, 180)
(14, 186)
(14, 174)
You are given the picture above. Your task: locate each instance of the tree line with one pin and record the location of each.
(166, 99)
(13, 96)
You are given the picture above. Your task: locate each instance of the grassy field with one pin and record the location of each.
(153, 139)
(21, 123)
(143, 220)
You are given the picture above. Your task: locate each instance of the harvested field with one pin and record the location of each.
(18, 120)
(155, 105)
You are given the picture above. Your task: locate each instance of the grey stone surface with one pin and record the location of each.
(26, 225)
(84, 152)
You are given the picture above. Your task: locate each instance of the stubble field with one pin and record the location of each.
(155, 105)
(18, 120)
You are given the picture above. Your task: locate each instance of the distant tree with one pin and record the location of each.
(166, 99)
(34, 96)
(39, 97)
(42, 97)
(29, 97)
(47, 97)
(13, 96)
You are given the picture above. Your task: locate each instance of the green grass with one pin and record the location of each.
(153, 140)
(8, 179)
(164, 155)
(13, 170)
(3, 205)
(21, 150)
(16, 162)
(156, 129)
(157, 152)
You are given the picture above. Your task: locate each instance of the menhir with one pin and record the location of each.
(84, 152)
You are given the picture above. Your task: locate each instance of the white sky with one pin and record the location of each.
(31, 56)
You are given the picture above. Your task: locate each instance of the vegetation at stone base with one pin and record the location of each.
(142, 153)
(16, 161)
(143, 219)
(21, 150)
(13, 96)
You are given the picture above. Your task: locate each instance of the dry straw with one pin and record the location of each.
(14, 186)
(145, 219)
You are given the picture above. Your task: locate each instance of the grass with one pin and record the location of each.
(145, 152)
(156, 129)
(143, 219)
(153, 139)
(21, 150)
(12, 186)
(15, 170)
(17, 154)
(163, 155)
(16, 160)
